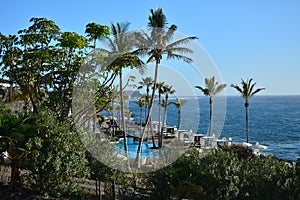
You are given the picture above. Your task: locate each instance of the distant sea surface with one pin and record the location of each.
(274, 121)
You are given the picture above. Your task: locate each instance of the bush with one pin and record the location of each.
(229, 174)
(56, 159)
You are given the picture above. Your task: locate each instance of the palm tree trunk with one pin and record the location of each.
(159, 120)
(138, 155)
(141, 115)
(210, 116)
(247, 118)
(113, 115)
(15, 173)
(153, 137)
(122, 115)
(179, 118)
(164, 121)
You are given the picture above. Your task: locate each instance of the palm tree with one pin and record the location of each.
(141, 103)
(155, 46)
(146, 82)
(212, 88)
(179, 104)
(15, 131)
(167, 90)
(120, 47)
(96, 31)
(113, 95)
(160, 90)
(247, 91)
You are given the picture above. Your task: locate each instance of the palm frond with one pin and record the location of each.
(257, 90)
(112, 45)
(179, 50)
(103, 50)
(204, 90)
(157, 18)
(169, 34)
(237, 88)
(251, 87)
(180, 57)
(150, 59)
(181, 42)
(220, 88)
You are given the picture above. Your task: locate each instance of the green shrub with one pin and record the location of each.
(57, 160)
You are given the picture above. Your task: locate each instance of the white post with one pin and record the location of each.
(229, 141)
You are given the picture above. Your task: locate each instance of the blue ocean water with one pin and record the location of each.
(274, 121)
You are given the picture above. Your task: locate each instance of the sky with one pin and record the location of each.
(257, 39)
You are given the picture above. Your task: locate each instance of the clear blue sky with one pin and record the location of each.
(258, 39)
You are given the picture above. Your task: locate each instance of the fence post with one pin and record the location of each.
(98, 189)
(113, 189)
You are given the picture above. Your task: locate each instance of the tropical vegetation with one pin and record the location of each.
(41, 143)
(156, 45)
(212, 88)
(247, 91)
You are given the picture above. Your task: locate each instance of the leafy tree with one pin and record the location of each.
(64, 75)
(247, 91)
(212, 88)
(43, 63)
(10, 54)
(155, 46)
(34, 70)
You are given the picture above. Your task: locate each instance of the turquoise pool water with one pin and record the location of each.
(133, 146)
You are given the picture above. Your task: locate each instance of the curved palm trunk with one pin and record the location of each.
(159, 120)
(141, 115)
(247, 118)
(122, 115)
(153, 137)
(210, 116)
(179, 118)
(164, 121)
(138, 155)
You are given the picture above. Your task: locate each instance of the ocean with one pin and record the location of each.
(274, 121)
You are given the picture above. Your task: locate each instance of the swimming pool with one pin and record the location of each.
(133, 146)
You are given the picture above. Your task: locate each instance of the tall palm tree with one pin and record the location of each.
(146, 82)
(155, 46)
(120, 46)
(247, 91)
(212, 88)
(179, 104)
(167, 91)
(159, 87)
(141, 103)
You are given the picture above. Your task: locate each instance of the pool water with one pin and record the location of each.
(133, 146)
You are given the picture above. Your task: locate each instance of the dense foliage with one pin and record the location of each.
(57, 161)
(227, 175)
